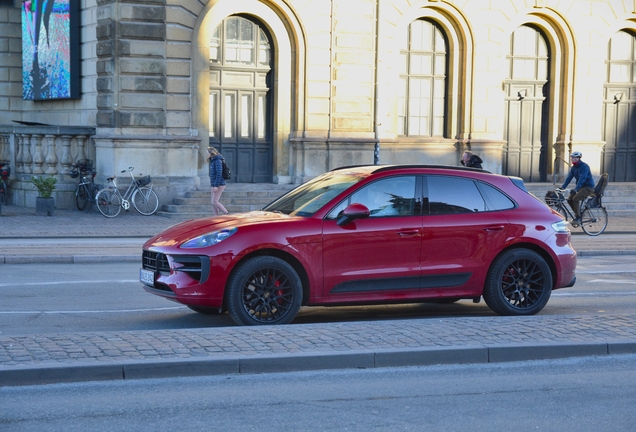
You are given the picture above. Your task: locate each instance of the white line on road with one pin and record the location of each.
(121, 281)
(88, 312)
(593, 294)
(609, 281)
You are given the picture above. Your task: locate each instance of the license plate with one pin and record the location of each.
(147, 277)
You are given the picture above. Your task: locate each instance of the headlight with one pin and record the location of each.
(561, 226)
(209, 239)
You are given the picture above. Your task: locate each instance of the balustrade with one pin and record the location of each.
(45, 150)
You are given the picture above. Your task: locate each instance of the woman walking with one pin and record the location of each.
(217, 182)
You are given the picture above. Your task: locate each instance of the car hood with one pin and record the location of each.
(177, 234)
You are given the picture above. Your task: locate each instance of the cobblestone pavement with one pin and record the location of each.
(145, 354)
(80, 356)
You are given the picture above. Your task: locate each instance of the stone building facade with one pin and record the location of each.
(288, 89)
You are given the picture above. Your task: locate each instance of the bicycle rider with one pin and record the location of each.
(584, 184)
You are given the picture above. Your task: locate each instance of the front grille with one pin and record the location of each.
(155, 261)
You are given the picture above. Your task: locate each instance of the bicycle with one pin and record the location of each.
(87, 189)
(110, 201)
(593, 214)
(5, 172)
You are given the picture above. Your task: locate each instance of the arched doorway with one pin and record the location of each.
(240, 107)
(527, 104)
(619, 106)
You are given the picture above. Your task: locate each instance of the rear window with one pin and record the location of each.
(454, 195)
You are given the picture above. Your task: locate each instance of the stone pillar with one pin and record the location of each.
(51, 157)
(38, 158)
(27, 159)
(66, 160)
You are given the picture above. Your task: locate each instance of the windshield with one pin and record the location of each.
(308, 198)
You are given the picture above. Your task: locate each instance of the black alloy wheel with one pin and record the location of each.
(264, 290)
(519, 283)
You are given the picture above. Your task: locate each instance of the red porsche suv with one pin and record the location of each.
(369, 235)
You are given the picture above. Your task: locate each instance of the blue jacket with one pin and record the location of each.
(581, 172)
(216, 171)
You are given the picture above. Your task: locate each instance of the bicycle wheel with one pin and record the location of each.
(4, 193)
(108, 202)
(594, 220)
(145, 201)
(81, 196)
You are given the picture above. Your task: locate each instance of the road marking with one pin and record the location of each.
(121, 281)
(604, 271)
(609, 281)
(88, 312)
(593, 294)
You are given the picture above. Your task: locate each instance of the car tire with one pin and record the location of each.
(264, 290)
(519, 282)
(205, 310)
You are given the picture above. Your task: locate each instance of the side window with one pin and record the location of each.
(394, 196)
(450, 195)
(495, 199)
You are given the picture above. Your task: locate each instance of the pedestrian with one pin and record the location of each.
(584, 184)
(217, 182)
(471, 160)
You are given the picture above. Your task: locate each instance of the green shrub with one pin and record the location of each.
(44, 185)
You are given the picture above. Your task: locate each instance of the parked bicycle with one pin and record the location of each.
(593, 214)
(87, 189)
(5, 172)
(110, 201)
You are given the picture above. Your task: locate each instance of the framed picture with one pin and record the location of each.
(50, 49)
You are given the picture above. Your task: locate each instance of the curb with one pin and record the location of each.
(470, 354)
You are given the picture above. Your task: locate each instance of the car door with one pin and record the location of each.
(462, 233)
(376, 257)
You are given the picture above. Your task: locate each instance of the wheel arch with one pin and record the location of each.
(285, 256)
(535, 248)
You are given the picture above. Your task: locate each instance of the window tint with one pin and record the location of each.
(393, 196)
(494, 198)
(450, 195)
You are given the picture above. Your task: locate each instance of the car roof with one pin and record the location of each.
(371, 169)
(380, 168)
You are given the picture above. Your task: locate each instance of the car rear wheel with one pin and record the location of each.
(264, 290)
(519, 283)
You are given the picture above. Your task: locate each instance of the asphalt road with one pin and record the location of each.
(69, 298)
(582, 394)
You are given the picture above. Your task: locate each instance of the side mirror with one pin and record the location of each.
(352, 212)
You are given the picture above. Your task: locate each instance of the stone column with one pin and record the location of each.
(18, 153)
(38, 157)
(51, 157)
(66, 160)
(27, 159)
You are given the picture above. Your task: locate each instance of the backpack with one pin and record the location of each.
(225, 172)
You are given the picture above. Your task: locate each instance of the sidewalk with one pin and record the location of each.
(72, 236)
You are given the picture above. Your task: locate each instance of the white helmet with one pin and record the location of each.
(576, 154)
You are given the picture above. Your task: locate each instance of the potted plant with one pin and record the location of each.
(44, 203)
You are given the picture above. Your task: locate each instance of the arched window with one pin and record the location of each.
(422, 97)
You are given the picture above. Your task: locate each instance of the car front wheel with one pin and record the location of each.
(519, 283)
(264, 290)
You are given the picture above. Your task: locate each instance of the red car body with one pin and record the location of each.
(421, 254)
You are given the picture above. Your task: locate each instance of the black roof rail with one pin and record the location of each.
(398, 166)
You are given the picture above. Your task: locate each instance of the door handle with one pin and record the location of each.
(494, 228)
(408, 233)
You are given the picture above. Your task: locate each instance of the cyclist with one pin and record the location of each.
(584, 184)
